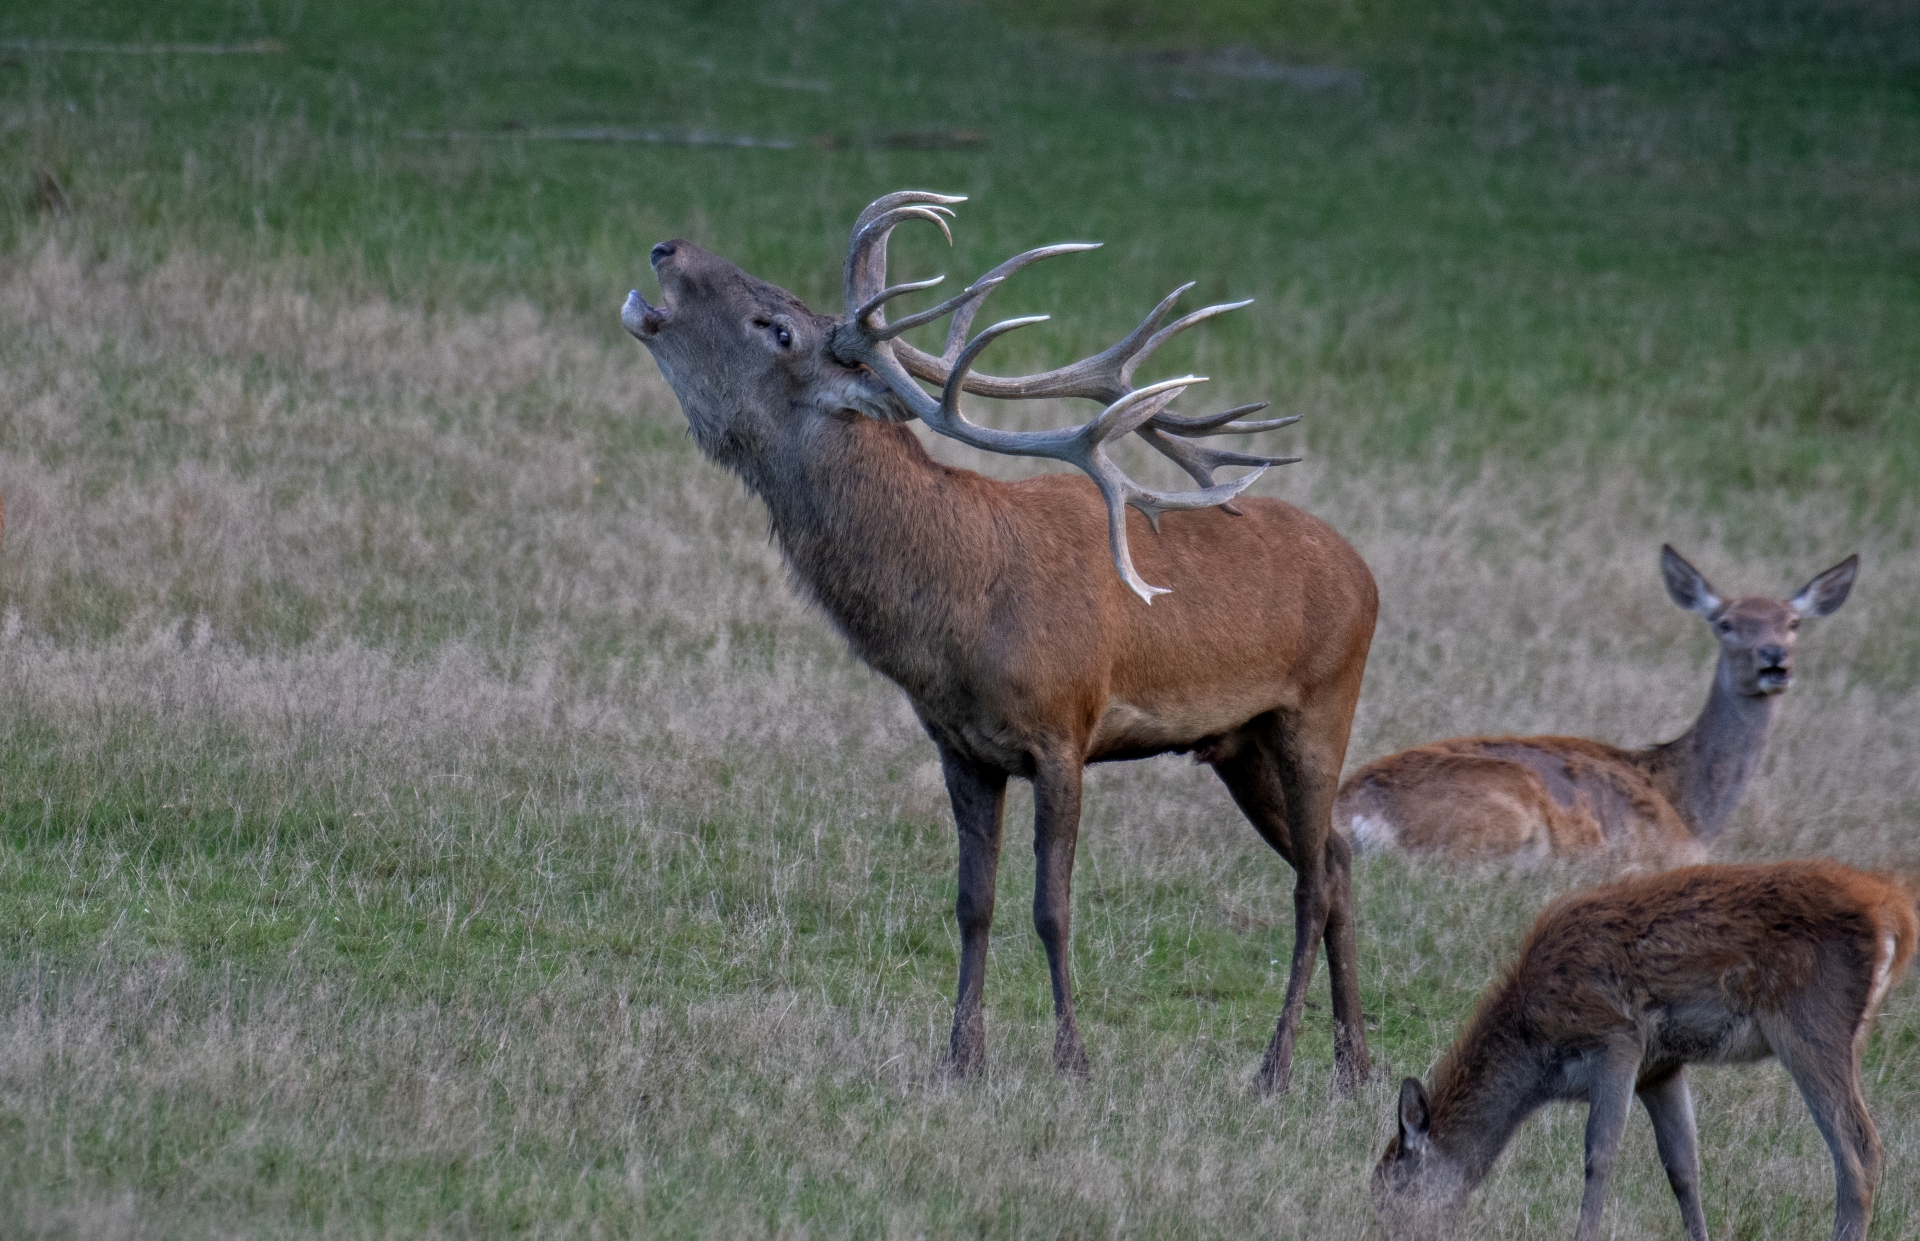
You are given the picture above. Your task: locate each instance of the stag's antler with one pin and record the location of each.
(867, 338)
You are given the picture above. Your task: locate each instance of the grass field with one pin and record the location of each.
(428, 811)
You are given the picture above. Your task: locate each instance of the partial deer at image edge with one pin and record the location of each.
(1619, 988)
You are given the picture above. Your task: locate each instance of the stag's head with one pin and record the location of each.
(1418, 1188)
(752, 366)
(1756, 633)
(748, 360)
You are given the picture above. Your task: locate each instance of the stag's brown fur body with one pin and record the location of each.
(996, 608)
(1618, 989)
(993, 604)
(1531, 797)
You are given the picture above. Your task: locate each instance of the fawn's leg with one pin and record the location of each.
(1609, 1098)
(1671, 1107)
(1829, 1081)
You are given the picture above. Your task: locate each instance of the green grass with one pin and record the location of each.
(426, 810)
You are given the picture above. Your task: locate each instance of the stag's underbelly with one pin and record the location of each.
(1130, 729)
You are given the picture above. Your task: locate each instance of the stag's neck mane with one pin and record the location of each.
(1704, 770)
(897, 548)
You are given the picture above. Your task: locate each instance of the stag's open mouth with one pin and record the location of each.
(642, 319)
(1773, 680)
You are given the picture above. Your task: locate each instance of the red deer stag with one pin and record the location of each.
(1619, 988)
(989, 603)
(1479, 797)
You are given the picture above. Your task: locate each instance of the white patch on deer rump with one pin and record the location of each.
(1371, 834)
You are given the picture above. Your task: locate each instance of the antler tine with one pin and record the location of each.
(889, 293)
(1223, 423)
(949, 419)
(1104, 377)
(973, 292)
(1084, 446)
(966, 308)
(1171, 436)
(1200, 462)
(1172, 330)
(1137, 408)
(899, 198)
(866, 272)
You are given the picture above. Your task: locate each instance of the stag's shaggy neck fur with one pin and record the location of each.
(867, 520)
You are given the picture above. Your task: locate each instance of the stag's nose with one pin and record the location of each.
(1772, 656)
(664, 250)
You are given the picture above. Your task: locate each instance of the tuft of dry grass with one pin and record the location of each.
(427, 811)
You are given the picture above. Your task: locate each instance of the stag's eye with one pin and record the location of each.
(782, 334)
(1793, 623)
(1725, 626)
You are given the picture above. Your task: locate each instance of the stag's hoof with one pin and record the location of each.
(1070, 1056)
(1349, 1077)
(967, 1054)
(1275, 1076)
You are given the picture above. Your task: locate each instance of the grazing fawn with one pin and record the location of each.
(1619, 988)
(1486, 797)
(1012, 614)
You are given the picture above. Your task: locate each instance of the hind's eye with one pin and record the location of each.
(783, 336)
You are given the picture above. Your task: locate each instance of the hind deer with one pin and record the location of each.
(1483, 797)
(990, 603)
(1619, 988)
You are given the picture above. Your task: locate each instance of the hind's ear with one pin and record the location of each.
(1415, 1118)
(1685, 585)
(1825, 593)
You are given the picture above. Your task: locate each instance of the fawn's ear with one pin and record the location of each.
(1685, 585)
(1413, 1116)
(1825, 593)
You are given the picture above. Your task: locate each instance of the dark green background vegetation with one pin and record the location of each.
(1687, 232)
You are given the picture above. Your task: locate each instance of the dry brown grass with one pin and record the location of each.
(434, 623)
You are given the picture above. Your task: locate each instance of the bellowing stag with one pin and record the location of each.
(990, 604)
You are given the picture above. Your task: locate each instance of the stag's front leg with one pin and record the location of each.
(1056, 829)
(979, 797)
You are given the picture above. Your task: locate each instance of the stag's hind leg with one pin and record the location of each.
(979, 797)
(1056, 832)
(1350, 1058)
(1283, 774)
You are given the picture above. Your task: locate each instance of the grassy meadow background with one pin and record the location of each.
(425, 809)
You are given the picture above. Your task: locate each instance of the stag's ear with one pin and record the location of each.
(1824, 594)
(1414, 1118)
(1685, 586)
